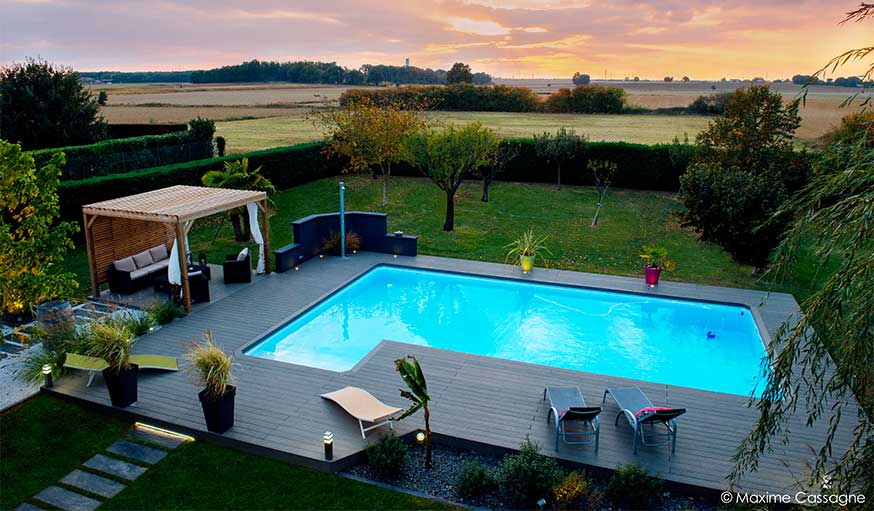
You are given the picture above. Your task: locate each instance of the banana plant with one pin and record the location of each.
(411, 372)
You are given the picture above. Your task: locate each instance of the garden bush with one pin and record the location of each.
(587, 99)
(127, 154)
(387, 456)
(713, 104)
(459, 96)
(474, 479)
(528, 476)
(576, 491)
(632, 487)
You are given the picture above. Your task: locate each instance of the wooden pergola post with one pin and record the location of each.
(183, 265)
(265, 233)
(87, 221)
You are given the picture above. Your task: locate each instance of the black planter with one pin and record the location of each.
(122, 385)
(219, 413)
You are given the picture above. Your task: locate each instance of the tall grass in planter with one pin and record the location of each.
(212, 367)
(112, 341)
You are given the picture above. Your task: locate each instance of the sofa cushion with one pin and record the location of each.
(143, 259)
(243, 254)
(136, 274)
(127, 264)
(155, 267)
(159, 253)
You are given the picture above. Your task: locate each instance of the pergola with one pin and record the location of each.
(125, 226)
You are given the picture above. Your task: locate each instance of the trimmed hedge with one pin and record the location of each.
(640, 167)
(284, 166)
(140, 130)
(127, 154)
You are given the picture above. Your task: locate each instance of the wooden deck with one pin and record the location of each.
(475, 399)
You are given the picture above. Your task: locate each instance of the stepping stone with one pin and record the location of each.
(145, 454)
(114, 467)
(27, 507)
(67, 500)
(93, 483)
(167, 440)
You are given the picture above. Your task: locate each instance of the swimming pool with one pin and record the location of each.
(676, 342)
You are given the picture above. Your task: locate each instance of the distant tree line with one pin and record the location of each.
(842, 81)
(295, 72)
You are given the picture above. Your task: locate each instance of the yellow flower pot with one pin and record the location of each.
(527, 263)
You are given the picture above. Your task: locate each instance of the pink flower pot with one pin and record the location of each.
(652, 275)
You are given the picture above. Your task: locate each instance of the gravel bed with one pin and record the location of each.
(440, 480)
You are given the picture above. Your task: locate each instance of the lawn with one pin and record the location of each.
(249, 135)
(629, 219)
(45, 438)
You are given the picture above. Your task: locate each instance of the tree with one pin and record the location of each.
(411, 373)
(32, 242)
(46, 106)
(685, 78)
(370, 136)
(602, 173)
(580, 79)
(669, 78)
(742, 172)
(237, 176)
(102, 97)
(449, 155)
(459, 73)
(506, 152)
(559, 148)
(834, 210)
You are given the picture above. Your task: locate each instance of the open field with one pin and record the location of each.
(162, 103)
(293, 128)
(629, 219)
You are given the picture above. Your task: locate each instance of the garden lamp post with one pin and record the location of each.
(342, 220)
(47, 375)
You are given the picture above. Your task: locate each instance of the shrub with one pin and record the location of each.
(102, 97)
(587, 99)
(632, 487)
(139, 323)
(201, 129)
(474, 479)
(141, 130)
(387, 456)
(854, 127)
(576, 491)
(220, 144)
(164, 312)
(713, 104)
(528, 476)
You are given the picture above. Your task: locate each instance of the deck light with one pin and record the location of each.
(395, 256)
(47, 374)
(296, 268)
(321, 256)
(329, 445)
(420, 437)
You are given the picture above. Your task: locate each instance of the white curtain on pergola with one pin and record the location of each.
(174, 271)
(255, 227)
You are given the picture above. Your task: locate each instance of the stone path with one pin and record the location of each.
(106, 474)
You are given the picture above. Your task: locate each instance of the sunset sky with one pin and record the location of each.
(704, 39)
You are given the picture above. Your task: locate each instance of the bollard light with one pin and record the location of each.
(329, 445)
(420, 437)
(47, 374)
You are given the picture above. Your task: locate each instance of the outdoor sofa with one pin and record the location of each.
(138, 271)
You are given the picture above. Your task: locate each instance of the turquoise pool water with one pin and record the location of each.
(675, 342)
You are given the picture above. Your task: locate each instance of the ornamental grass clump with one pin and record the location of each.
(112, 341)
(211, 366)
(528, 476)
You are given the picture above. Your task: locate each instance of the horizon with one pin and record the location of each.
(523, 39)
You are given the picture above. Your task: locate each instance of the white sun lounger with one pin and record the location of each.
(363, 406)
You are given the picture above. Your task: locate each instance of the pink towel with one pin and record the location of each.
(651, 409)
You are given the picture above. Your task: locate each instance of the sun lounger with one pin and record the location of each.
(567, 405)
(363, 406)
(640, 412)
(94, 364)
